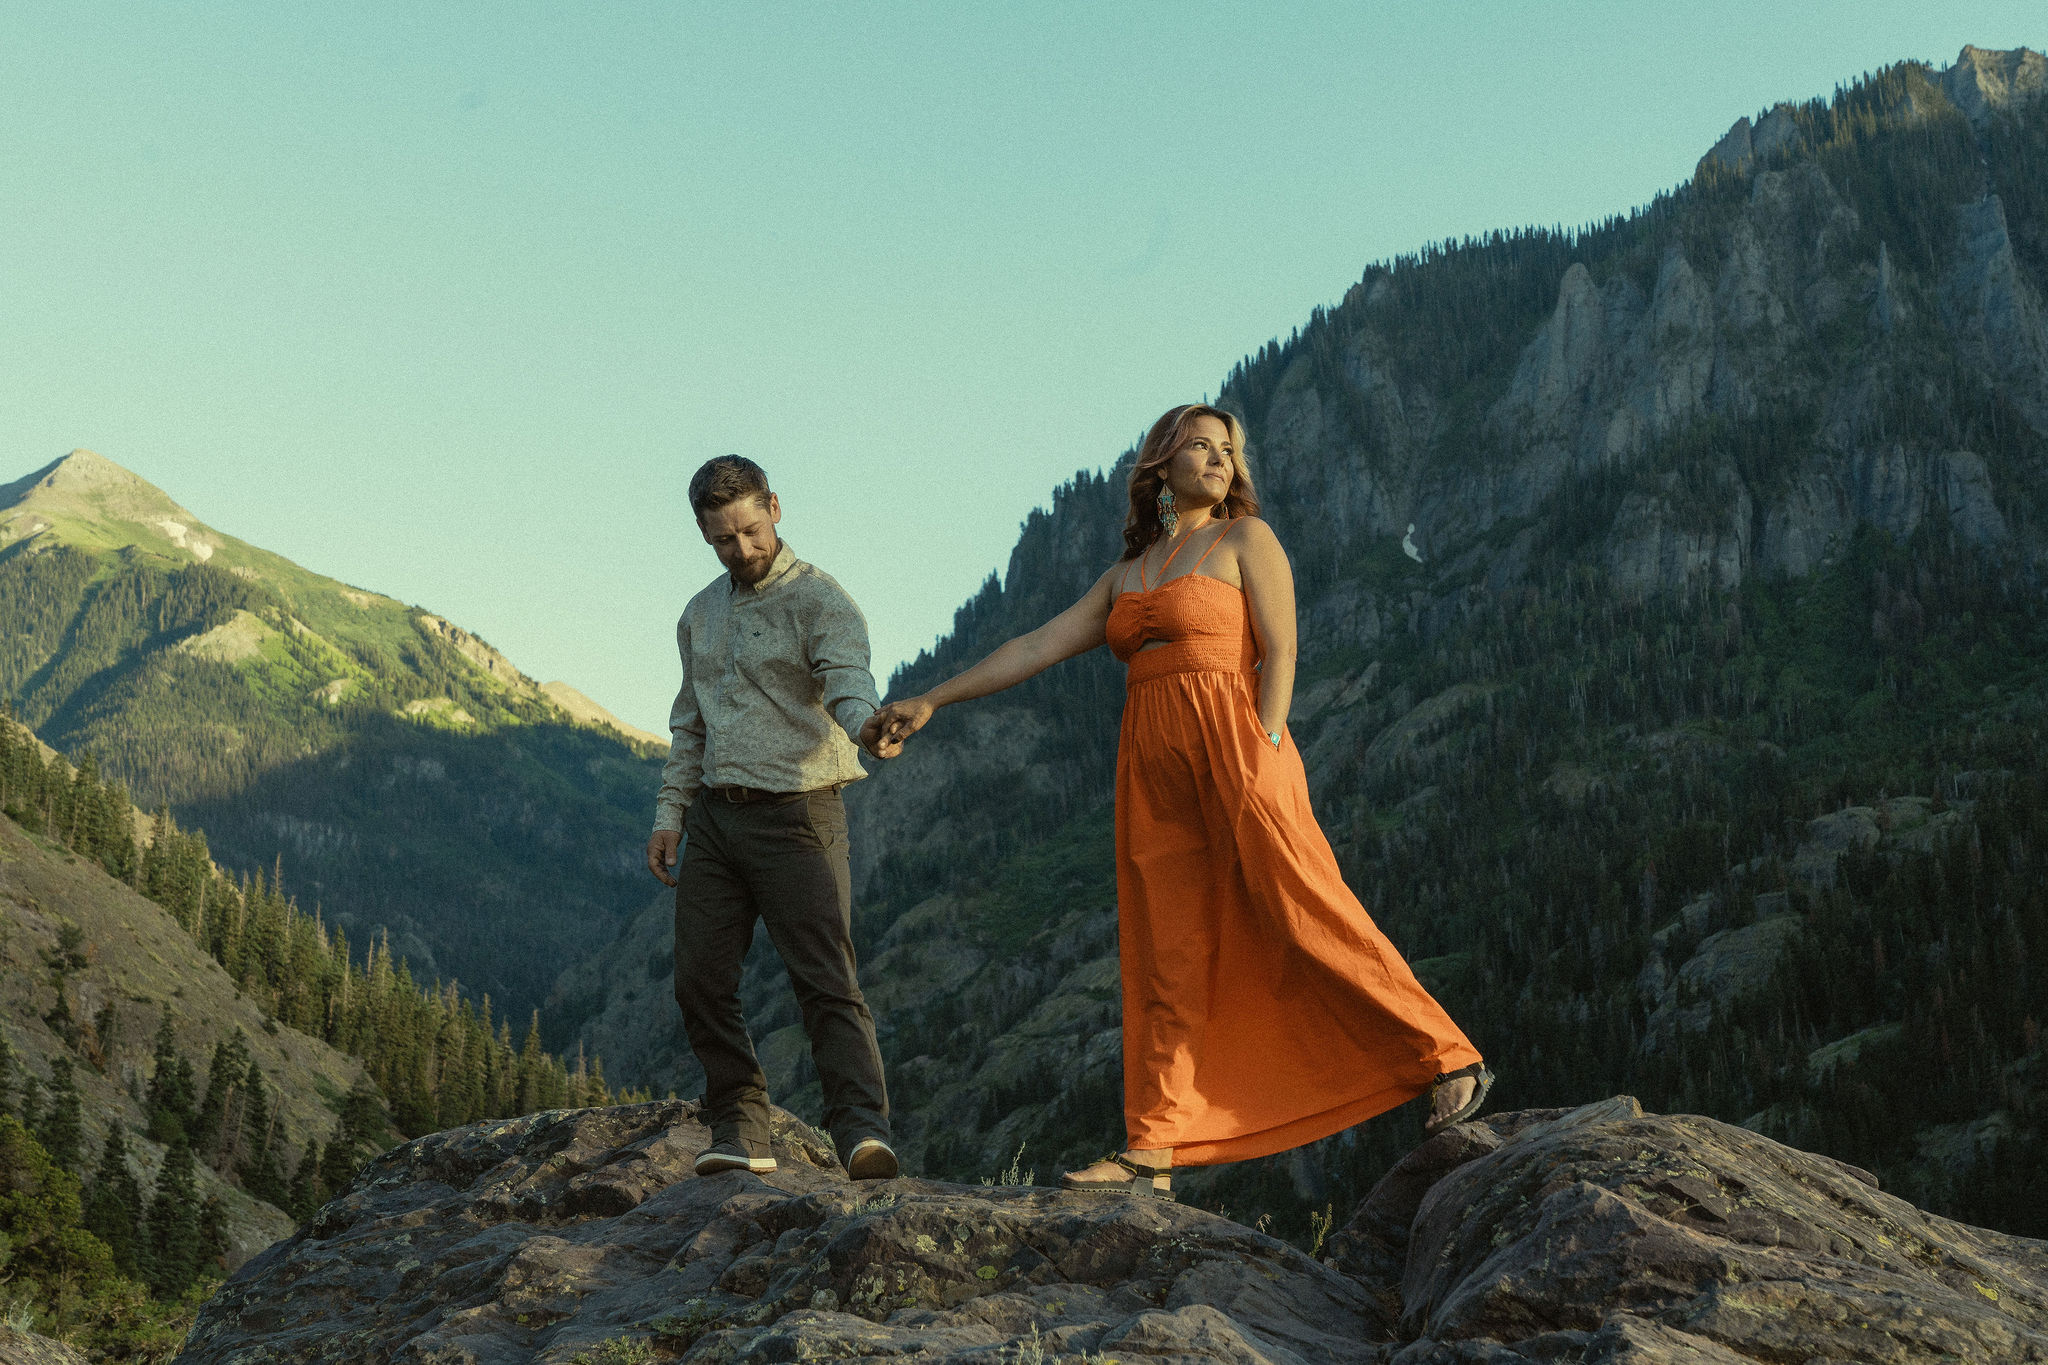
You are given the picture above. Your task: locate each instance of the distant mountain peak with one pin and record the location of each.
(1985, 81)
(87, 498)
(89, 474)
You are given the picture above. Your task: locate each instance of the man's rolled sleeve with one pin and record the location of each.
(839, 660)
(683, 775)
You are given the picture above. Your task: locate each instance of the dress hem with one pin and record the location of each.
(1294, 1133)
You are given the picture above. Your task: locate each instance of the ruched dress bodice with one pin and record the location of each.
(1202, 621)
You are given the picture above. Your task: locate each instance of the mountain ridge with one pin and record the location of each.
(84, 498)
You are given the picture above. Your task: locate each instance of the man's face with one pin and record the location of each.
(743, 534)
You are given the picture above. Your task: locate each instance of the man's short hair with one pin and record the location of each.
(727, 478)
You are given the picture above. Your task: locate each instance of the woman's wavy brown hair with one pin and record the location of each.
(1167, 436)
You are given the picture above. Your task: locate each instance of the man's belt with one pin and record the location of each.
(740, 796)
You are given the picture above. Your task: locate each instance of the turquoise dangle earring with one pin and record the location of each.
(1167, 516)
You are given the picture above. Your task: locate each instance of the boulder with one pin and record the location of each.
(1604, 1234)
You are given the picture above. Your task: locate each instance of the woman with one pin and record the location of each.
(1262, 1007)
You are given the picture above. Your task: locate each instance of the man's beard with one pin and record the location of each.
(752, 571)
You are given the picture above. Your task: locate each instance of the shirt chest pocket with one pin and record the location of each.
(768, 652)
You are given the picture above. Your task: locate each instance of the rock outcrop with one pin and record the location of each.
(550, 1235)
(1599, 1234)
(1604, 1234)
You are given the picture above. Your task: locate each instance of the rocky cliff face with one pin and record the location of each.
(1730, 516)
(1599, 1235)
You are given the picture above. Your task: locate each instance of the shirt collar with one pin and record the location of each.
(779, 569)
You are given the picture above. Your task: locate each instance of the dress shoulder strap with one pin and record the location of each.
(1210, 551)
(1164, 566)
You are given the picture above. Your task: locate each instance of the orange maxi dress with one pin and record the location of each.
(1262, 1007)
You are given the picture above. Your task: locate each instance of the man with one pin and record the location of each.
(775, 689)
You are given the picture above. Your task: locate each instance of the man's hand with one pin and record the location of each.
(661, 854)
(885, 731)
(872, 731)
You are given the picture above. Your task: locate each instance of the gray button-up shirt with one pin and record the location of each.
(775, 687)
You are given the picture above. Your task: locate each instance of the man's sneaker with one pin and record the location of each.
(872, 1159)
(728, 1155)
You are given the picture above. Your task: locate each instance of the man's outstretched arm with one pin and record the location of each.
(838, 649)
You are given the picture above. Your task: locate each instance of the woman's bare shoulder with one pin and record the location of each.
(1111, 580)
(1248, 531)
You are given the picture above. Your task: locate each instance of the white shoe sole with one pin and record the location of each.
(711, 1163)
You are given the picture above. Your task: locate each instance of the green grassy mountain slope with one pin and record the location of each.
(1695, 757)
(407, 774)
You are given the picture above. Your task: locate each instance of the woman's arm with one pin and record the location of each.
(1076, 630)
(1269, 590)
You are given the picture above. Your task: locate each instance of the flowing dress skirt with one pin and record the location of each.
(1262, 1008)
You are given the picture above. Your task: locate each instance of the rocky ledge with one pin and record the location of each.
(1598, 1234)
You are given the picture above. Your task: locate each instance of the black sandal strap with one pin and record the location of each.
(1144, 1173)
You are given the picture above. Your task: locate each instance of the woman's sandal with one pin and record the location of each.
(1144, 1180)
(1484, 1082)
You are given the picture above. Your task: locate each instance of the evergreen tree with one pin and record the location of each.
(59, 1017)
(185, 1083)
(338, 1164)
(169, 1100)
(213, 1235)
(105, 1036)
(504, 1072)
(261, 1172)
(113, 1204)
(154, 881)
(358, 1133)
(62, 1131)
(83, 833)
(7, 1070)
(532, 1091)
(173, 1233)
(30, 1110)
(211, 1130)
(48, 1253)
(303, 1199)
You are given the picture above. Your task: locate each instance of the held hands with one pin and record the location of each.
(885, 731)
(661, 855)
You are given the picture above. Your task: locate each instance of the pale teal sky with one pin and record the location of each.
(448, 300)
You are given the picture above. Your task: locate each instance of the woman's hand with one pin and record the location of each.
(885, 731)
